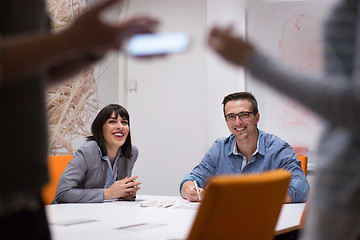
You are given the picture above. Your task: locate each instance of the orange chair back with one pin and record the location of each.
(304, 162)
(56, 165)
(241, 206)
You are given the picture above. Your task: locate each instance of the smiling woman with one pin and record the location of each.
(101, 168)
(115, 130)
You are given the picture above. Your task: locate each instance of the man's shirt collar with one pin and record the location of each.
(260, 148)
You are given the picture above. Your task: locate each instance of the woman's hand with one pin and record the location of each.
(125, 188)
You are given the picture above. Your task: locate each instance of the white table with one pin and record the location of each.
(172, 223)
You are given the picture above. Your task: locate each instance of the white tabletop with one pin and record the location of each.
(102, 220)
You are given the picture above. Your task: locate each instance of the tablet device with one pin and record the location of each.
(158, 43)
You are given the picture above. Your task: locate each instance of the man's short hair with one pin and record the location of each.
(242, 96)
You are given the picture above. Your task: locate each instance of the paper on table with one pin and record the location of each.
(141, 226)
(72, 222)
(189, 205)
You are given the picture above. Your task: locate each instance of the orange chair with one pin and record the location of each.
(56, 165)
(241, 206)
(304, 161)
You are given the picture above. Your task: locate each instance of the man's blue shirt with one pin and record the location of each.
(272, 153)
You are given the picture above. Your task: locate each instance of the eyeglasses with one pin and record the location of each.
(231, 117)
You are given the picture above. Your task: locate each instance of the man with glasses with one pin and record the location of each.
(246, 150)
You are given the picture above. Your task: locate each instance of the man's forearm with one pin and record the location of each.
(26, 54)
(70, 67)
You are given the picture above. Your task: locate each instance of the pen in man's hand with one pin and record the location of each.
(197, 189)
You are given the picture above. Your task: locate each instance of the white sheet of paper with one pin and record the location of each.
(73, 222)
(140, 226)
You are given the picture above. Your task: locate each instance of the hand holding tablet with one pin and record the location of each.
(160, 43)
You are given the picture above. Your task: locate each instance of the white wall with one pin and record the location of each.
(221, 78)
(168, 109)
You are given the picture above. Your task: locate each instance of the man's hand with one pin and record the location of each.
(125, 188)
(96, 36)
(287, 198)
(229, 46)
(65, 53)
(188, 191)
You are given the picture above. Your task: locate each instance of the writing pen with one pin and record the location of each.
(197, 189)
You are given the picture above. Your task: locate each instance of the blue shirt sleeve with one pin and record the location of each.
(206, 168)
(299, 187)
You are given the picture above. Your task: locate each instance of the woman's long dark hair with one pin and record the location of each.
(100, 120)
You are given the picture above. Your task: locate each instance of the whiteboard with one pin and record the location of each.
(291, 32)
